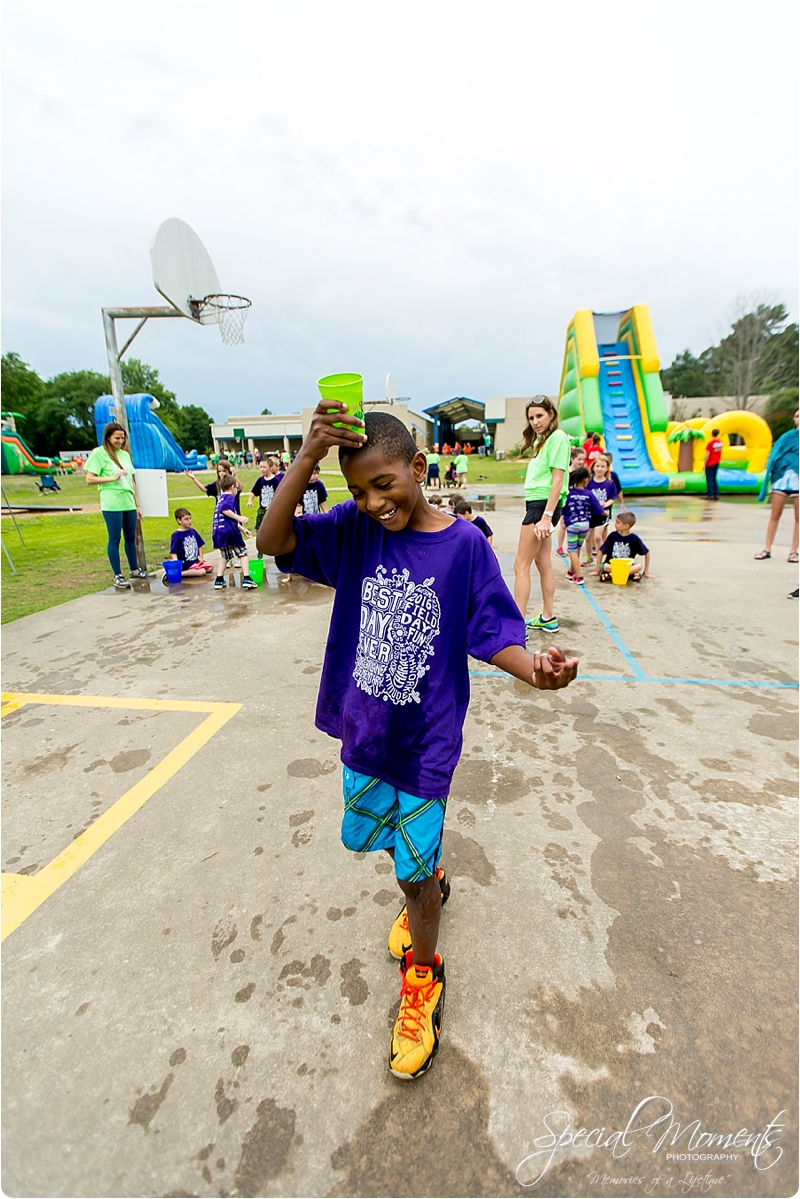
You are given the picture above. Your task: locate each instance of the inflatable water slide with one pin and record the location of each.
(152, 445)
(19, 459)
(610, 384)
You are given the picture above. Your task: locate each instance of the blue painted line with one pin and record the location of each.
(723, 682)
(636, 669)
(624, 678)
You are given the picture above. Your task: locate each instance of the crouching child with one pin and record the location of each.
(623, 543)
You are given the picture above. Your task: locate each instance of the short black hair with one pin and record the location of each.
(461, 506)
(579, 475)
(715, 432)
(387, 434)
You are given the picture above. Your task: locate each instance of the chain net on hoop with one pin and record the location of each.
(229, 312)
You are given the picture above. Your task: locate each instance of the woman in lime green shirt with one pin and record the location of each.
(545, 492)
(110, 468)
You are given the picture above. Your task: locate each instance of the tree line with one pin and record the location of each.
(58, 414)
(759, 356)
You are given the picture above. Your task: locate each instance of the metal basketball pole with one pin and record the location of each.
(117, 388)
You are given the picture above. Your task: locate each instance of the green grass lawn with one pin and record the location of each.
(64, 554)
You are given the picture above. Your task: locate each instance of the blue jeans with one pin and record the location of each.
(712, 486)
(121, 523)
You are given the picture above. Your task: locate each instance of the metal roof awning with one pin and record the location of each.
(458, 410)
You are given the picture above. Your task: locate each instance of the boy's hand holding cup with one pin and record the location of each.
(339, 416)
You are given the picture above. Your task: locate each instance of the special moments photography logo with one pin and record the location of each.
(687, 1145)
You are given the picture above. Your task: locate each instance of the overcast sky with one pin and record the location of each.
(430, 189)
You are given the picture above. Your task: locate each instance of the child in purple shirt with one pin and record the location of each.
(227, 536)
(187, 545)
(416, 592)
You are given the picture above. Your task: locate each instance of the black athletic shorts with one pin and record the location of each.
(534, 511)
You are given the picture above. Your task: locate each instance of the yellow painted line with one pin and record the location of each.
(23, 894)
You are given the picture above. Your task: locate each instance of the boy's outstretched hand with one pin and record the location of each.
(551, 670)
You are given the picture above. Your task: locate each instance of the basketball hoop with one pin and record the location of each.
(229, 312)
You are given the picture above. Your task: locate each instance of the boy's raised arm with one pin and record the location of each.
(276, 535)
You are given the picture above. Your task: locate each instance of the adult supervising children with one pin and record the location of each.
(545, 492)
(110, 468)
(462, 467)
(433, 459)
(416, 593)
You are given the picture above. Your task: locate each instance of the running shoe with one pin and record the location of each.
(562, 553)
(142, 574)
(121, 583)
(248, 584)
(575, 578)
(399, 934)
(219, 584)
(418, 1027)
(550, 626)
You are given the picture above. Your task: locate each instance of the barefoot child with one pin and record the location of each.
(623, 543)
(186, 545)
(227, 536)
(415, 593)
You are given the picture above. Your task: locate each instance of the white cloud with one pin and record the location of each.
(426, 188)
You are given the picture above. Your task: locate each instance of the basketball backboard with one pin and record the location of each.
(182, 269)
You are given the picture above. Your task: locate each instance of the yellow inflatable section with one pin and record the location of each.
(753, 430)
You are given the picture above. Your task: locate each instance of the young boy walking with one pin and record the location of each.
(227, 537)
(415, 593)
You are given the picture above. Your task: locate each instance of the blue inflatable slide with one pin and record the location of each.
(152, 445)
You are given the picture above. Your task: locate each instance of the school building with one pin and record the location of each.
(271, 434)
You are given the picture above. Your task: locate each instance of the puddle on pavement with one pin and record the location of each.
(277, 588)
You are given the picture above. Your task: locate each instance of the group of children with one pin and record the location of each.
(593, 488)
(228, 527)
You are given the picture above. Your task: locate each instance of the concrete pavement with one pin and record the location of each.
(198, 997)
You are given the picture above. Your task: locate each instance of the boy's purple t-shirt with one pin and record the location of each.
(628, 545)
(185, 545)
(409, 608)
(223, 529)
(265, 489)
(313, 496)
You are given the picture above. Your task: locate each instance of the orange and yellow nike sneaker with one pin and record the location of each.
(415, 1038)
(399, 934)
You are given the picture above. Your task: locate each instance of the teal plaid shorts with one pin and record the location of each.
(379, 816)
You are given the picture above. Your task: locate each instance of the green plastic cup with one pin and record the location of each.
(257, 570)
(347, 389)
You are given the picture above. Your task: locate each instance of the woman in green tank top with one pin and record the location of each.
(545, 492)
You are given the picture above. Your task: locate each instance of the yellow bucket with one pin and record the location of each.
(620, 570)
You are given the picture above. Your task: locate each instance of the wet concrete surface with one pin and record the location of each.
(204, 1007)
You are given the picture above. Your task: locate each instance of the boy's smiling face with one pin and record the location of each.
(390, 492)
